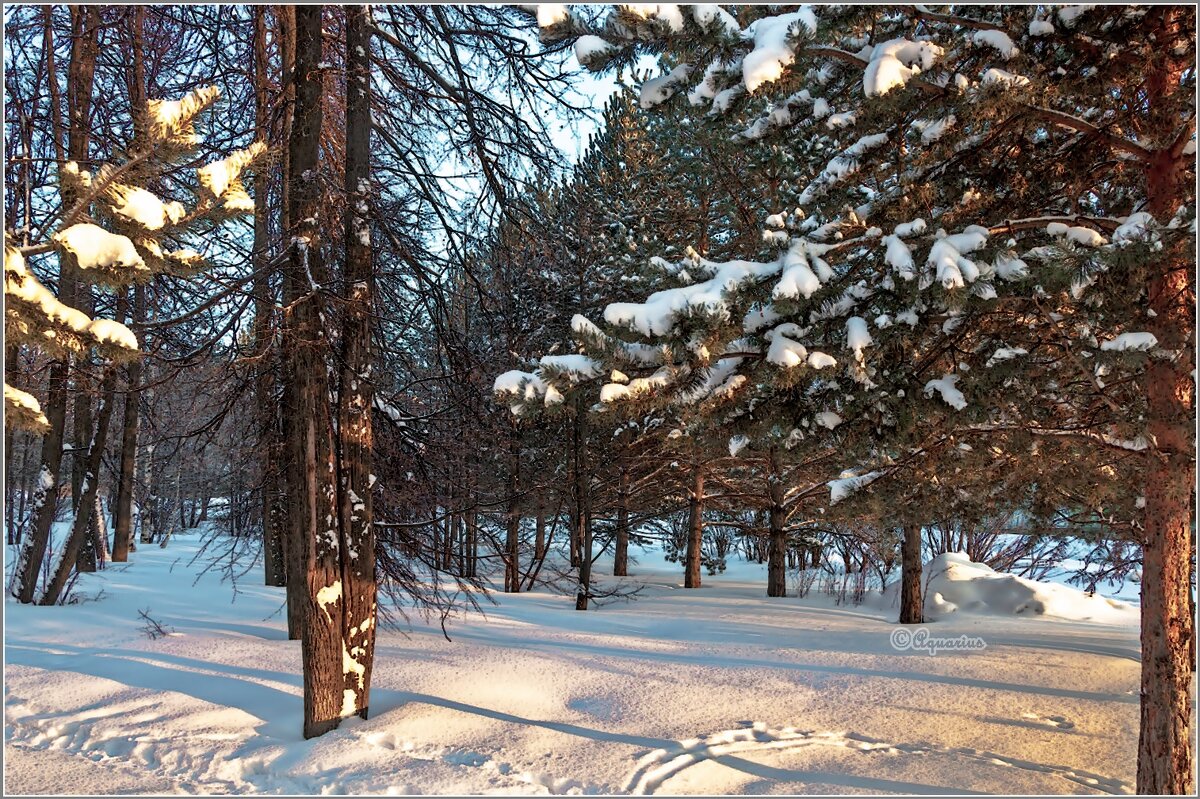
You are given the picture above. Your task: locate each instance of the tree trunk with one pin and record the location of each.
(356, 395)
(695, 539)
(45, 496)
(777, 554)
(777, 525)
(621, 551)
(1165, 757)
(316, 583)
(264, 389)
(123, 512)
(583, 503)
(911, 603)
(45, 499)
(512, 554)
(82, 524)
(539, 536)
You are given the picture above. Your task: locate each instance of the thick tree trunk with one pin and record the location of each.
(315, 584)
(911, 602)
(83, 520)
(695, 539)
(1165, 756)
(356, 395)
(777, 525)
(777, 553)
(621, 551)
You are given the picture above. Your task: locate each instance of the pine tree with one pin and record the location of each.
(958, 198)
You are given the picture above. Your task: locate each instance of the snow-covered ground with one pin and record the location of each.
(716, 690)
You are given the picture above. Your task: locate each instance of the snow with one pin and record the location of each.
(1040, 27)
(657, 91)
(656, 316)
(106, 331)
(772, 52)
(96, 248)
(715, 691)
(737, 444)
(1084, 236)
(26, 297)
(956, 584)
(590, 47)
(785, 351)
(145, 208)
(21, 406)
(828, 419)
(932, 130)
(849, 483)
(549, 14)
(329, 595)
(857, 336)
(576, 367)
(219, 176)
(945, 385)
(1009, 267)
(1070, 14)
(667, 12)
(1006, 354)
(998, 41)
(994, 76)
(946, 256)
(708, 16)
(1135, 227)
(899, 257)
(1126, 342)
(820, 360)
(893, 63)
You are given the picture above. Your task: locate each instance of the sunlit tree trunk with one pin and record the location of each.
(356, 396)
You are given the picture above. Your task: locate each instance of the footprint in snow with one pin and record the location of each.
(1059, 722)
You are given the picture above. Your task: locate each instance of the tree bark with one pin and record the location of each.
(315, 584)
(45, 499)
(1165, 757)
(512, 540)
(583, 503)
(356, 396)
(621, 545)
(274, 572)
(123, 512)
(539, 536)
(83, 519)
(695, 539)
(777, 524)
(777, 554)
(911, 602)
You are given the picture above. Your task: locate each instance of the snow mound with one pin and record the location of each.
(956, 584)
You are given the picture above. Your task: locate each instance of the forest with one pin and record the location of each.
(599, 399)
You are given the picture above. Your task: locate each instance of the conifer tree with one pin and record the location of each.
(987, 182)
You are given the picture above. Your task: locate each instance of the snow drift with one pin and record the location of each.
(956, 584)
